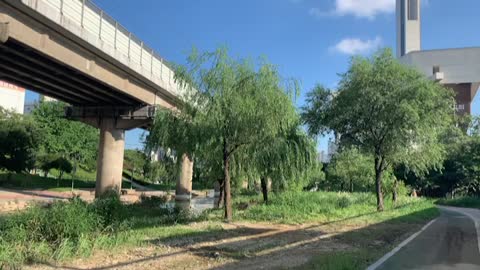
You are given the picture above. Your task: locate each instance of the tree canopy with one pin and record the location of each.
(19, 142)
(230, 104)
(70, 139)
(134, 160)
(389, 111)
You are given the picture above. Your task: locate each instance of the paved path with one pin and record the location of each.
(451, 242)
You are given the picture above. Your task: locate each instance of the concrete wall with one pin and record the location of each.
(457, 65)
(12, 97)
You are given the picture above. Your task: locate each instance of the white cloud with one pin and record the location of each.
(364, 8)
(352, 46)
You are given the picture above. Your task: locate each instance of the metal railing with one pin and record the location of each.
(84, 19)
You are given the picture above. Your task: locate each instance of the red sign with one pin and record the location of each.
(6, 85)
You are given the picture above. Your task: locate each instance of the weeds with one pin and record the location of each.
(75, 228)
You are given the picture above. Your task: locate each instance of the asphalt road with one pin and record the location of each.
(451, 242)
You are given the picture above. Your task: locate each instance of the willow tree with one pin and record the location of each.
(388, 110)
(284, 159)
(239, 103)
(177, 131)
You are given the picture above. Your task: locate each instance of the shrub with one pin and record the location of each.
(59, 221)
(60, 230)
(110, 209)
(343, 201)
(152, 201)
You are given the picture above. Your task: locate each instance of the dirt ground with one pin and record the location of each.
(238, 246)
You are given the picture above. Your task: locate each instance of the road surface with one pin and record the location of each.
(451, 242)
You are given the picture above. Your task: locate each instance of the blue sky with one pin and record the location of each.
(310, 40)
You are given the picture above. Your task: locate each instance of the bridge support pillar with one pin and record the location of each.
(110, 157)
(183, 192)
(112, 122)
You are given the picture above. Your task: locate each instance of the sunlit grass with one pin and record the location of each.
(323, 207)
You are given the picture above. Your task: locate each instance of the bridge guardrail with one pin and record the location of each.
(87, 21)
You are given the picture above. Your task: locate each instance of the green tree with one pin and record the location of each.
(389, 111)
(238, 104)
(63, 137)
(352, 170)
(134, 161)
(44, 162)
(19, 141)
(285, 159)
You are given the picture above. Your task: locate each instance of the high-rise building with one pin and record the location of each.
(12, 97)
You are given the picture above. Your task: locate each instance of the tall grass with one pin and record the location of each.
(300, 207)
(75, 229)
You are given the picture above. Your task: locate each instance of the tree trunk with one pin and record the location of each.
(221, 198)
(226, 173)
(351, 185)
(263, 182)
(395, 192)
(378, 183)
(131, 179)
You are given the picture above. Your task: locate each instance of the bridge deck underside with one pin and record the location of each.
(31, 69)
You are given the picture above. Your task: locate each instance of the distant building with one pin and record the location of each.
(162, 154)
(322, 157)
(332, 149)
(12, 97)
(455, 68)
(29, 107)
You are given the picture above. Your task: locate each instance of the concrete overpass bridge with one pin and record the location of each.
(73, 51)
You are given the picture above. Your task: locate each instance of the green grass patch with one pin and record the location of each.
(321, 207)
(468, 202)
(66, 230)
(28, 181)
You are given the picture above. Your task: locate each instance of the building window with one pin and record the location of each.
(412, 10)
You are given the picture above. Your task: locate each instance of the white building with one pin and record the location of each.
(12, 97)
(457, 68)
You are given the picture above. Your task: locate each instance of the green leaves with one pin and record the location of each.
(70, 139)
(19, 141)
(386, 109)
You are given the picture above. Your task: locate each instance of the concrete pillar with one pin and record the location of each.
(110, 157)
(183, 192)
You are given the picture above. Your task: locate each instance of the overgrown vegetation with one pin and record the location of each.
(66, 230)
(304, 207)
(75, 228)
(393, 113)
(19, 142)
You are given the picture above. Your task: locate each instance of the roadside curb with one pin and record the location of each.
(399, 247)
